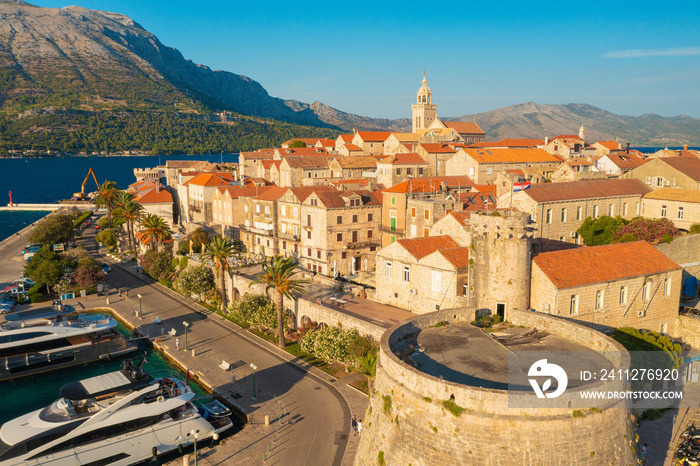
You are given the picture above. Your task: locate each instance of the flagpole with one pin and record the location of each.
(510, 206)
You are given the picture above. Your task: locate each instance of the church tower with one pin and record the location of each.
(424, 112)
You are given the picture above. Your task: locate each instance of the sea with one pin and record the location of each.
(36, 180)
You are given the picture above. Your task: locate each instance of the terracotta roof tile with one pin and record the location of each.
(421, 247)
(430, 184)
(357, 162)
(464, 127)
(624, 160)
(211, 179)
(272, 193)
(346, 137)
(571, 268)
(307, 162)
(459, 256)
(258, 154)
(675, 194)
(374, 136)
(461, 217)
(610, 145)
(688, 165)
(156, 196)
(303, 192)
(437, 148)
(405, 158)
(352, 147)
(512, 155)
(593, 189)
(301, 151)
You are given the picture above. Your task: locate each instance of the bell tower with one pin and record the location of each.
(424, 112)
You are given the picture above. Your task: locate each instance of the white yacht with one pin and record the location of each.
(37, 345)
(120, 418)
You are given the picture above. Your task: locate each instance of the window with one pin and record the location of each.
(308, 234)
(548, 219)
(489, 171)
(314, 202)
(393, 200)
(296, 212)
(406, 273)
(398, 171)
(642, 208)
(648, 179)
(296, 230)
(339, 219)
(284, 210)
(354, 236)
(308, 220)
(245, 208)
(611, 210)
(308, 252)
(369, 233)
(646, 291)
(257, 208)
(426, 214)
(667, 286)
(426, 232)
(579, 213)
(339, 237)
(373, 248)
(573, 304)
(599, 297)
(563, 215)
(680, 213)
(284, 245)
(318, 254)
(354, 219)
(623, 295)
(387, 269)
(663, 210)
(595, 211)
(465, 290)
(413, 212)
(420, 170)
(370, 217)
(392, 239)
(344, 255)
(408, 171)
(471, 171)
(267, 209)
(436, 284)
(636, 208)
(624, 209)
(413, 230)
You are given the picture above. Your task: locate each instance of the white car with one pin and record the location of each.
(5, 308)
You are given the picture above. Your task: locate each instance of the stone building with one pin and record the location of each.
(248, 162)
(605, 147)
(352, 168)
(677, 172)
(350, 150)
(259, 229)
(423, 274)
(228, 207)
(399, 167)
(158, 201)
(437, 155)
(482, 165)
(579, 169)
(289, 217)
(681, 206)
(424, 112)
(196, 195)
(617, 163)
(396, 140)
(304, 171)
(605, 287)
(371, 142)
(339, 231)
(469, 132)
(395, 214)
(568, 146)
(559, 209)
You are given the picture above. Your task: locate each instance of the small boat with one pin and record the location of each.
(121, 418)
(34, 346)
(42, 313)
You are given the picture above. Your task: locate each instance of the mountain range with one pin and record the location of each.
(60, 69)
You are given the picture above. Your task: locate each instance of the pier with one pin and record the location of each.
(48, 207)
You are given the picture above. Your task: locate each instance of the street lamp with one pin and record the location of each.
(253, 366)
(140, 308)
(196, 436)
(186, 324)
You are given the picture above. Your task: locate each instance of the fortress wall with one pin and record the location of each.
(408, 423)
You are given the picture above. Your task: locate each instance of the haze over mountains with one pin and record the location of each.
(69, 60)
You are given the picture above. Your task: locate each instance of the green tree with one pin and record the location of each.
(195, 280)
(218, 251)
(130, 213)
(367, 366)
(106, 196)
(278, 275)
(646, 229)
(599, 231)
(199, 239)
(297, 143)
(45, 267)
(107, 237)
(55, 228)
(154, 230)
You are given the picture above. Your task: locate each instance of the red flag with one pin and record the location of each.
(187, 379)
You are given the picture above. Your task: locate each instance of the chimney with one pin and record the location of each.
(627, 149)
(685, 146)
(546, 140)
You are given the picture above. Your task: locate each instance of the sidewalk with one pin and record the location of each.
(307, 408)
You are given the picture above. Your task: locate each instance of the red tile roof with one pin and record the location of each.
(405, 158)
(357, 162)
(307, 162)
(625, 161)
(610, 145)
(258, 154)
(303, 192)
(352, 147)
(156, 196)
(459, 257)
(593, 189)
(461, 217)
(421, 247)
(512, 155)
(688, 165)
(437, 148)
(430, 184)
(235, 192)
(464, 127)
(374, 136)
(272, 193)
(211, 179)
(346, 137)
(511, 143)
(301, 151)
(598, 264)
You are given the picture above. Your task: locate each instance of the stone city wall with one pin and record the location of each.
(688, 330)
(407, 422)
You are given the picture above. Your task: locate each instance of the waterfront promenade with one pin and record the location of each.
(309, 410)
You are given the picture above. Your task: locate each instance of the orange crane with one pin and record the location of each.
(81, 195)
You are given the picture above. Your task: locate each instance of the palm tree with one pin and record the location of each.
(106, 196)
(154, 230)
(131, 212)
(367, 366)
(120, 201)
(277, 274)
(219, 250)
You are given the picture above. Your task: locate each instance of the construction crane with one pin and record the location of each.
(81, 196)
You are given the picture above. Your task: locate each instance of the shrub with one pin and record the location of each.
(184, 248)
(646, 229)
(599, 231)
(362, 345)
(157, 264)
(107, 237)
(194, 280)
(639, 343)
(329, 343)
(694, 228)
(453, 407)
(183, 262)
(258, 310)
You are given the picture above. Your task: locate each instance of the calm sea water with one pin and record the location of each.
(46, 180)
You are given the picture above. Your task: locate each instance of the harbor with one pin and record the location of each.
(294, 412)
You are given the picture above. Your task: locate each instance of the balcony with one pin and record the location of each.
(260, 231)
(362, 244)
(396, 231)
(288, 236)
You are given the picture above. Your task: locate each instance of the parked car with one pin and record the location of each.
(78, 235)
(28, 256)
(31, 248)
(5, 308)
(97, 227)
(106, 268)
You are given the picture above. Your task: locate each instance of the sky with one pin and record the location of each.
(368, 58)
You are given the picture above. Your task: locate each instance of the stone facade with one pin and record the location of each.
(681, 206)
(668, 172)
(688, 330)
(418, 430)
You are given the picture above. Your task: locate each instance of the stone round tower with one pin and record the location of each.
(499, 276)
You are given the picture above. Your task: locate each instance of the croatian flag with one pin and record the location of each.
(521, 186)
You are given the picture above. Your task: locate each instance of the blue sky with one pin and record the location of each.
(368, 58)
